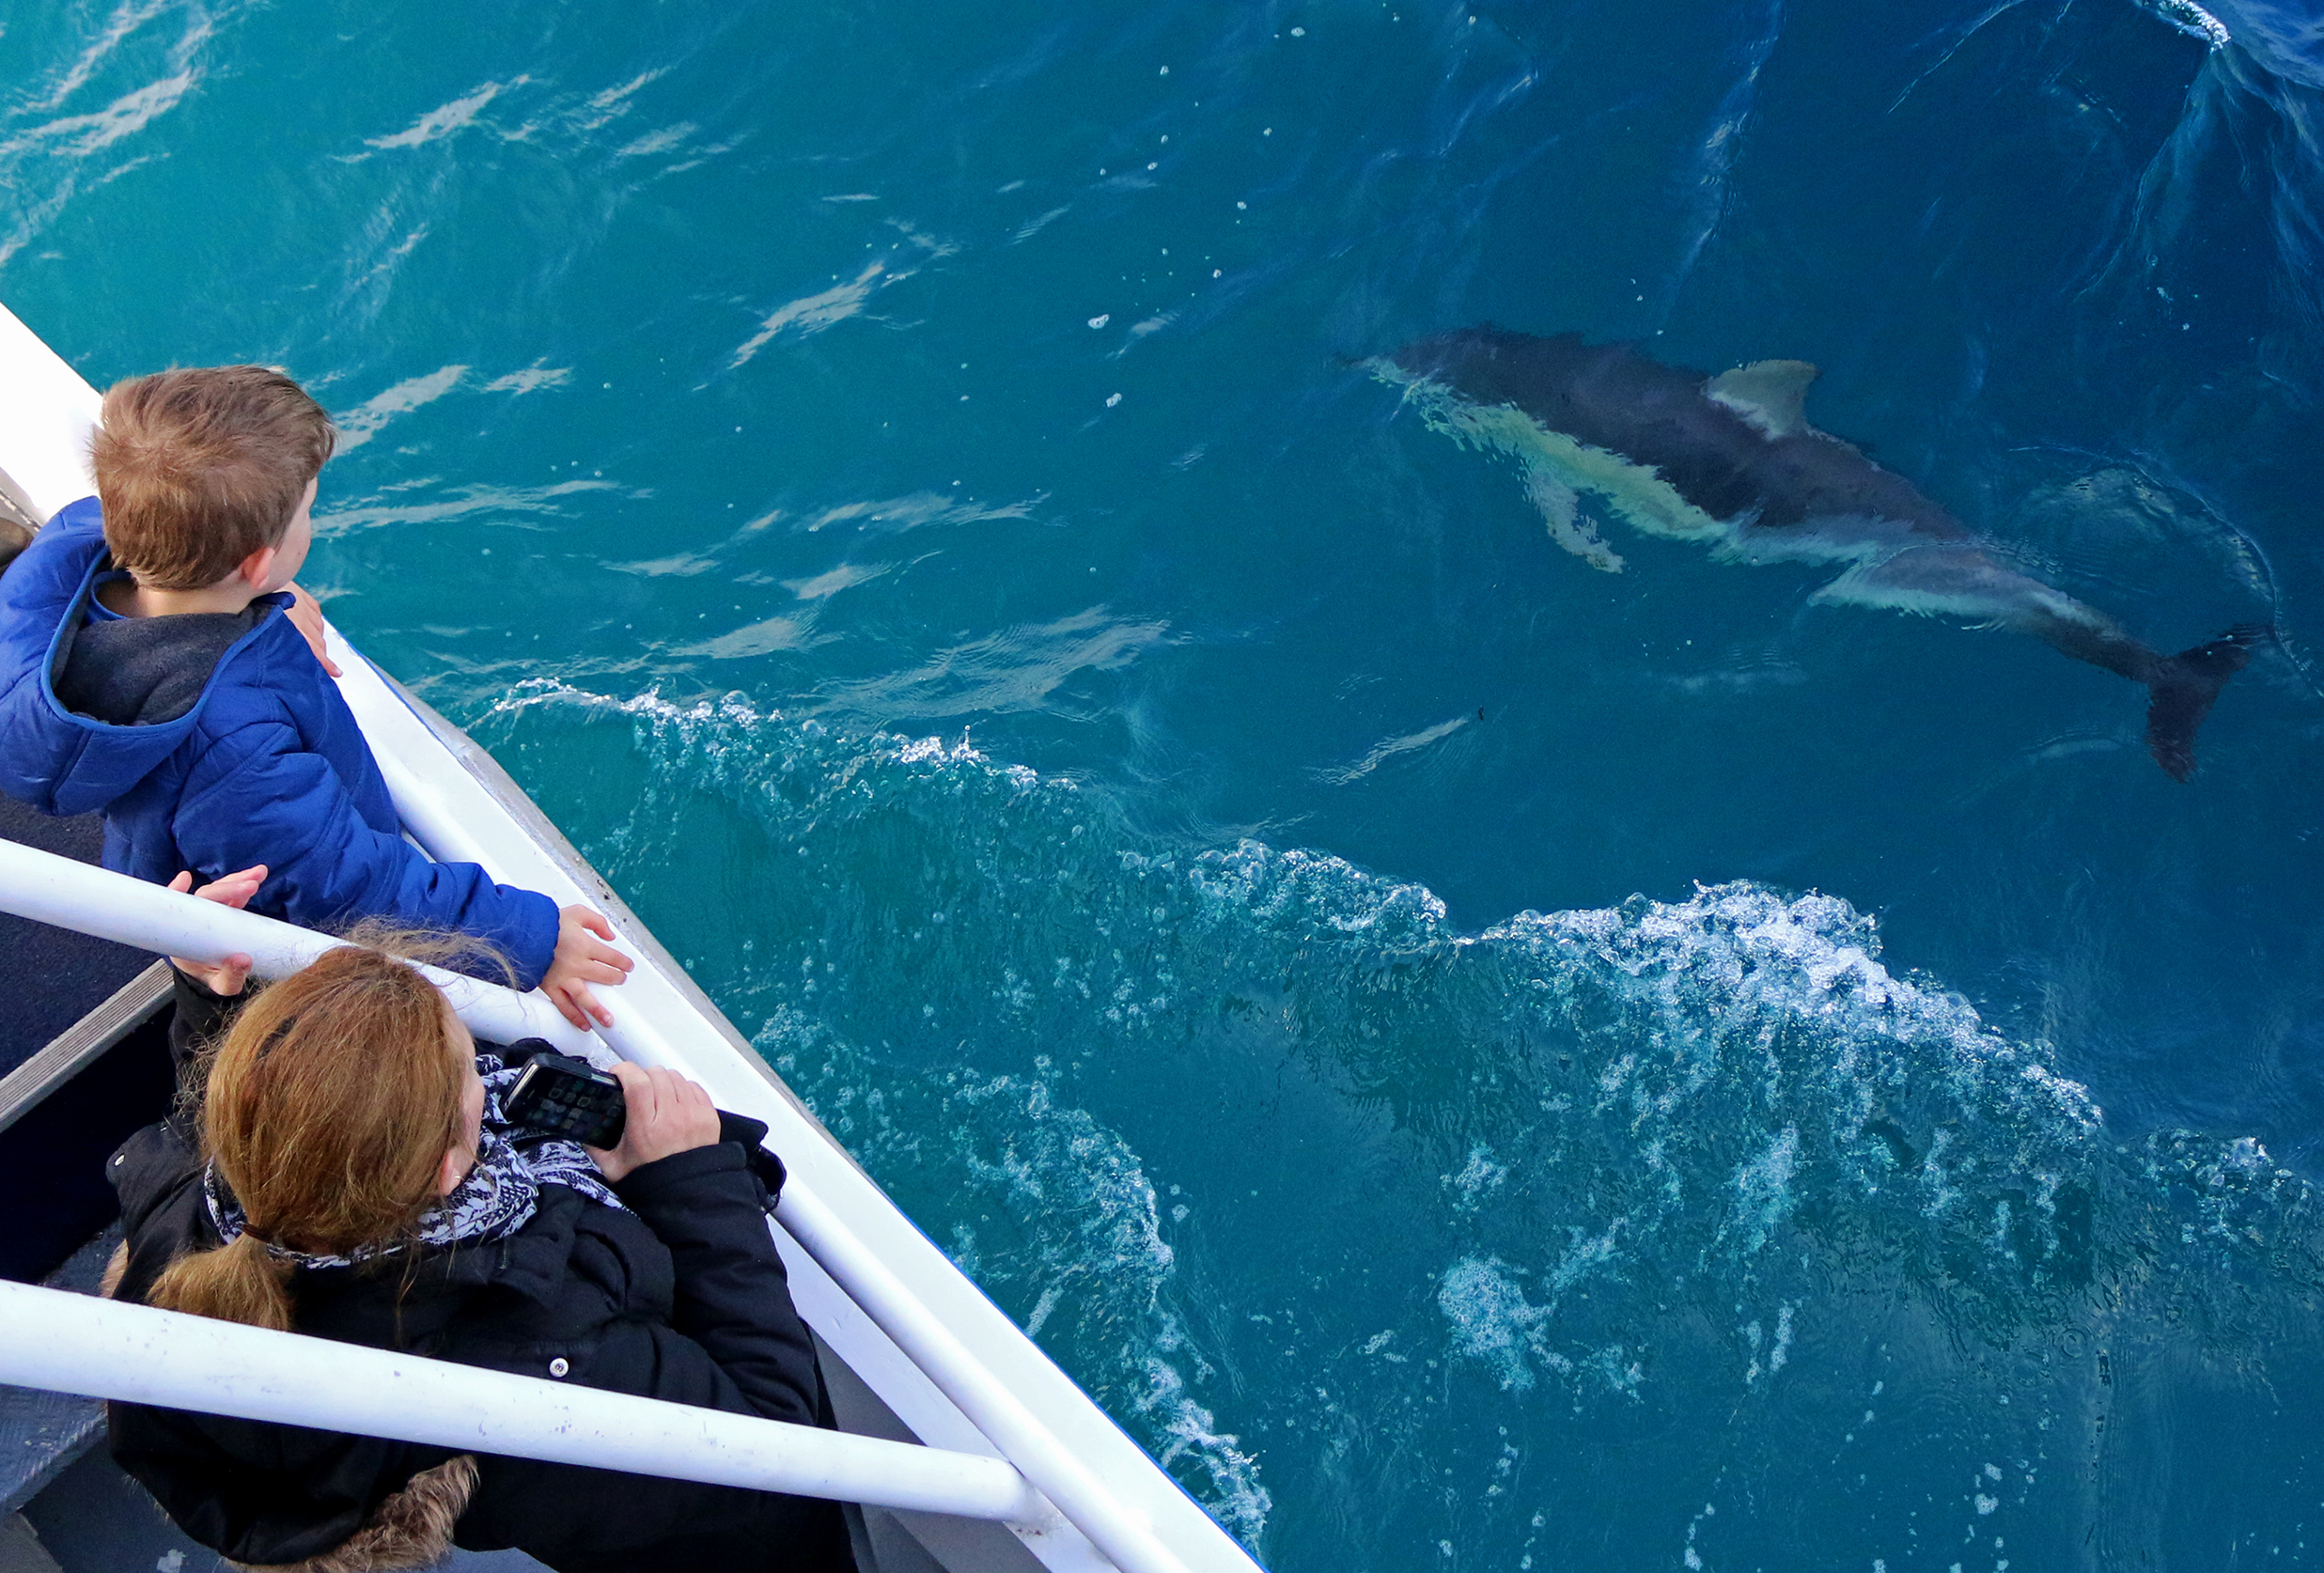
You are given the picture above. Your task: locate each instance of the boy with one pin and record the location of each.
(158, 665)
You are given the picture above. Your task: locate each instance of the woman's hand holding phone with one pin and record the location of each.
(668, 1113)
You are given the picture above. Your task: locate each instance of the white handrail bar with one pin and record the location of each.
(49, 889)
(71, 1342)
(55, 890)
(1115, 1528)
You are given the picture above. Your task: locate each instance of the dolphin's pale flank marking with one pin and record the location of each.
(1731, 461)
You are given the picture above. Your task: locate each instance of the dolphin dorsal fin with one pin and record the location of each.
(1767, 393)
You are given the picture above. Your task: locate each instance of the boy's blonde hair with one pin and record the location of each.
(200, 466)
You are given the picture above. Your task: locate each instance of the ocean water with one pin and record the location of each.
(1477, 1063)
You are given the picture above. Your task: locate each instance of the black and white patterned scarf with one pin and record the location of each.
(499, 1196)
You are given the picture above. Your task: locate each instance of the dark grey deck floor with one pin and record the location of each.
(53, 976)
(55, 1153)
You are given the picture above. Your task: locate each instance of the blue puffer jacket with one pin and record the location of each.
(267, 767)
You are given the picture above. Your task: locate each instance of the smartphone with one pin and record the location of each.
(568, 1097)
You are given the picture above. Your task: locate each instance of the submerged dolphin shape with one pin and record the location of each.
(1731, 461)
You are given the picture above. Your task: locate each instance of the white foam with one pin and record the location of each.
(1235, 1497)
(531, 380)
(1680, 1101)
(46, 165)
(1382, 752)
(811, 314)
(2192, 19)
(1478, 1177)
(366, 420)
(613, 102)
(846, 576)
(1491, 1320)
(1763, 1197)
(459, 503)
(447, 120)
(915, 510)
(125, 19)
(763, 637)
(1066, 1207)
(662, 141)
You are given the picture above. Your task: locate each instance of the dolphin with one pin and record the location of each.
(1730, 462)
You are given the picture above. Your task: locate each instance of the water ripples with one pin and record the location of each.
(1707, 1163)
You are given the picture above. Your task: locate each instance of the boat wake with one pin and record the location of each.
(1613, 1215)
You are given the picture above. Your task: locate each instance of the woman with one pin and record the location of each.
(349, 1173)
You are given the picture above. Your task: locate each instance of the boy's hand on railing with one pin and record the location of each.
(583, 958)
(306, 614)
(228, 976)
(666, 1114)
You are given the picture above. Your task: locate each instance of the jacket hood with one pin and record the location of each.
(52, 757)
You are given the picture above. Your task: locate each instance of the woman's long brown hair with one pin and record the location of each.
(328, 1108)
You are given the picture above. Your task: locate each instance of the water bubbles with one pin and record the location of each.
(1679, 1107)
(1763, 1187)
(1479, 1176)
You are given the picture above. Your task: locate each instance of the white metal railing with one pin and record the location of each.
(60, 891)
(138, 1354)
(49, 889)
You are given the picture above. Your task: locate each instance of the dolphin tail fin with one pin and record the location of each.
(2184, 687)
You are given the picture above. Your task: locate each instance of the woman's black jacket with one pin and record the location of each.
(683, 1297)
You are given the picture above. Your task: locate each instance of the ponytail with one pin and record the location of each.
(239, 1282)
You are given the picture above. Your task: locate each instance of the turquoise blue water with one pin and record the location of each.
(1478, 1064)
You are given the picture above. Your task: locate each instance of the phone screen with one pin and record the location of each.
(568, 1097)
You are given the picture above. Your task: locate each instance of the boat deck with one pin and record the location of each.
(58, 1119)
